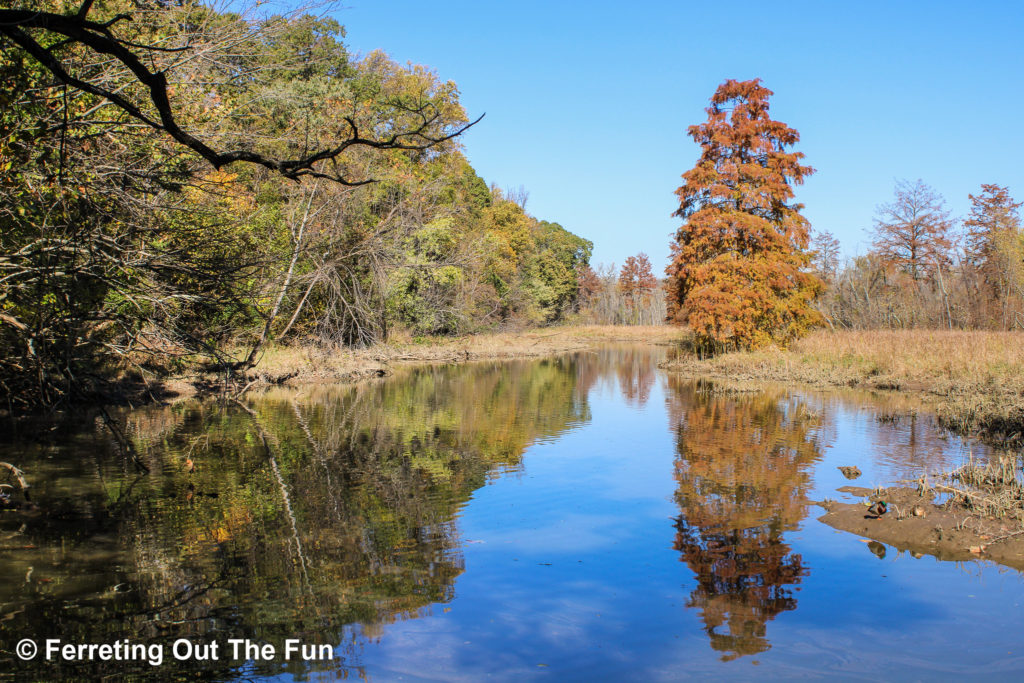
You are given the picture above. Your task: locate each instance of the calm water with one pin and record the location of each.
(581, 518)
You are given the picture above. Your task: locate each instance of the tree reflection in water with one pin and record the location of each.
(315, 515)
(636, 375)
(743, 468)
(331, 512)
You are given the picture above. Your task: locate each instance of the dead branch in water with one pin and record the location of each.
(19, 475)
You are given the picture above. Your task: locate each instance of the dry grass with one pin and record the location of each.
(977, 376)
(498, 345)
(280, 364)
(993, 489)
(941, 359)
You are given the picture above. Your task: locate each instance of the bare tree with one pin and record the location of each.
(518, 196)
(912, 231)
(825, 254)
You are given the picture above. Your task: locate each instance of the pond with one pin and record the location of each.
(584, 517)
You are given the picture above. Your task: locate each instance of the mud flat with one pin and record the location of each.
(915, 523)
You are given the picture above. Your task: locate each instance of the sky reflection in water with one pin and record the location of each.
(584, 517)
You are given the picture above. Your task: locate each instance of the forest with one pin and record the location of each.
(228, 181)
(927, 268)
(183, 185)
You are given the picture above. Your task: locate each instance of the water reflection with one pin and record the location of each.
(336, 512)
(636, 374)
(743, 469)
(628, 371)
(298, 515)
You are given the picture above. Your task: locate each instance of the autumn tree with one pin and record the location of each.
(825, 255)
(994, 250)
(913, 231)
(636, 281)
(588, 284)
(738, 274)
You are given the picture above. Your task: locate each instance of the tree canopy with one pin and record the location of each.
(127, 252)
(145, 58)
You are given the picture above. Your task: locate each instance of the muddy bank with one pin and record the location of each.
(913, 522)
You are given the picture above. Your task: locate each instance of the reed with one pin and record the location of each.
(976, 377)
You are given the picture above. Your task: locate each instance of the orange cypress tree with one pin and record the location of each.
(738, 274)
(636, 281)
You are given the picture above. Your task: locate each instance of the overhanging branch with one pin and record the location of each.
(97, 36)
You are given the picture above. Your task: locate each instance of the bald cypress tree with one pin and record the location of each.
(739, 271)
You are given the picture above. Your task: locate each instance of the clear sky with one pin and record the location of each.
(588, 103)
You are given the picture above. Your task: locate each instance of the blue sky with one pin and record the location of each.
(588, 103)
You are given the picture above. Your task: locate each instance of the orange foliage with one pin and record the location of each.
(589, 284)
(738, 274)
(743, 469)
(636, 281)
(912, 232)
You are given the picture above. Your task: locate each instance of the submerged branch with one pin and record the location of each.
(19, 475)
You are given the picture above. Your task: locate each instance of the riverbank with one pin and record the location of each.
(975, 511)
(974, 380)
(303, 364)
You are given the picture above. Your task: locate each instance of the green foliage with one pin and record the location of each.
(554, 269)
(423, 294)
(121, 250)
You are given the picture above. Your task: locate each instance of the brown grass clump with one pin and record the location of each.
(993, 489)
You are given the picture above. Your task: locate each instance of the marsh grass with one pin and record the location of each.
(993, 489)
(976, 377)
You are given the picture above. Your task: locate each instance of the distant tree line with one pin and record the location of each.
(631, 295)
(925, 269)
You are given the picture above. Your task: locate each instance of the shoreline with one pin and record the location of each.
(914, 522)
(973, 380)
(295, 365)
(898, 362)
(978, 387)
